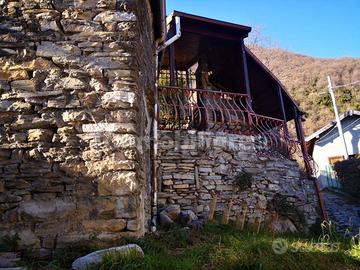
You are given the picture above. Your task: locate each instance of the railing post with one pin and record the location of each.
(246, 77)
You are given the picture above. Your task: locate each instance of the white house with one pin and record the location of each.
(326, 147)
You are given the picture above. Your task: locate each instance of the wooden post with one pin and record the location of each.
(300, 136)
(212, 206)
(283, 112)
(244, 212)
(172, 63)
(258, 220)
(226, 214)
(188, 79)
(246, 76)
(238, 220)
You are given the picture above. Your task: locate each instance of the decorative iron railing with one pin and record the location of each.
(185, 108)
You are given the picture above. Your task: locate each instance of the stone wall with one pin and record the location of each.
(195, 165)
(76, 81)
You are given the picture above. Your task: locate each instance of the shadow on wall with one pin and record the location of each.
(52, 196)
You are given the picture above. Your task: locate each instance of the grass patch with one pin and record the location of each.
(225, 247)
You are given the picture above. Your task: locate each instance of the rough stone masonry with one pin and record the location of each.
(76, 79)
(195, 165)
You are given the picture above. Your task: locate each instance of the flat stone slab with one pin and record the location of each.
(93, 259)
(14, 268)
(8, 259)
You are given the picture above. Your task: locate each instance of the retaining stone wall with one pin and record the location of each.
(192, 165)
(76, 79)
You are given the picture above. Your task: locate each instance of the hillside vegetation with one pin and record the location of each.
(306, 79)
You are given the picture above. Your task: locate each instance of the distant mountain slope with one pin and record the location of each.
(305, 78)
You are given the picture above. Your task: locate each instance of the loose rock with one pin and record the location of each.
(94, 259)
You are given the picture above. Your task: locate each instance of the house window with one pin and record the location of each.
(333, 160)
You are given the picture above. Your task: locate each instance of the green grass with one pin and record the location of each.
(225, 247)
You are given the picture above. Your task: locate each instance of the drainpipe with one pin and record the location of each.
(174, 38)
(156, 117)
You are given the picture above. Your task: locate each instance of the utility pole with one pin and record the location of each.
(331, 91)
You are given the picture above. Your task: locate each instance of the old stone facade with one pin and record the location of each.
(195, 165)
(76, 84)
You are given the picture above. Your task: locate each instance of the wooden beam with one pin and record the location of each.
(301, 138)
(246, 76)
(282, 107)
(172, 64)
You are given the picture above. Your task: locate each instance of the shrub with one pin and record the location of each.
(348, 172)
(243, 180)
(9, 243)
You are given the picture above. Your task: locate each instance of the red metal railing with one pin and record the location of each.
(185, 108)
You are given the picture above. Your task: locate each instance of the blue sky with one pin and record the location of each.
(320, 28)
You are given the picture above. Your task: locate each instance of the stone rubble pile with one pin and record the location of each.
(172, 214)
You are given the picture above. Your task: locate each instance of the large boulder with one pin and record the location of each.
(94, 259)
(282, 225)
(165, 220)
(173, 211)
(189, 218)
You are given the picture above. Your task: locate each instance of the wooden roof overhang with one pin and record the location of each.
(158, 10)
(222, 42)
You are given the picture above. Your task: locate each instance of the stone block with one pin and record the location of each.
(80, 26)
(45, 210)
(114, 16)
(23, 85)
(4, 154)
(73, 116)
(118, 100)
(181, 186)
(119, 74)
(168, 182)
(13, 75)
(72, 84)
(117, 183)
(7, 197)
(109, 165)
(109, 127)
(112, 225)
(50, 49)
(127, 207)
(189, 176)
(28, 239)
(124, 141)
(43, 135)
(133, 225)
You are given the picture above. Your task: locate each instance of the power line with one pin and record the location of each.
(348, 84)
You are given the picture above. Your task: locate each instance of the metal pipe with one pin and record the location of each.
(156, 115)
(154, 152)
(174, 38)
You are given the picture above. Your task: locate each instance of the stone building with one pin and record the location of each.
(84, 152)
